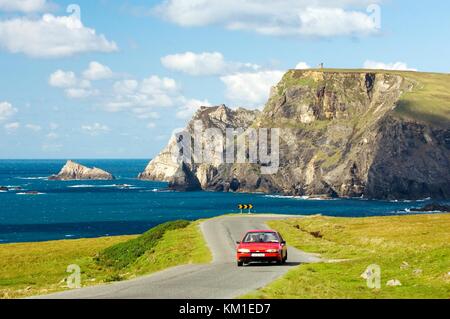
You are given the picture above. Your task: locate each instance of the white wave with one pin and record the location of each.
(69, 236)
(82, 186)
(33, 178)
(298, 197)
(3, 191)
(31, 194)
(122, 186)
(158, 190)
(410, 200)
(285, 196)
(410, 211)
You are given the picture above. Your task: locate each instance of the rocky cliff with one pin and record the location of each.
(375, 134)
(75, 171)
(194, 176)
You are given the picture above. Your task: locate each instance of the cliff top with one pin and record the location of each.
(428, 100)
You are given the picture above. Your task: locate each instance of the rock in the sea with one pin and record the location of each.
(343, 134)
(75, 171)
(434, 207)
(4, 189)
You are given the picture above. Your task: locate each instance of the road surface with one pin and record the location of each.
(220, 279)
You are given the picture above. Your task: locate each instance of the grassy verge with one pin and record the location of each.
(412, 249)
(38, 268)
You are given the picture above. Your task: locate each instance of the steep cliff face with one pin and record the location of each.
(343, 133)
(194, 176)
(75, 171)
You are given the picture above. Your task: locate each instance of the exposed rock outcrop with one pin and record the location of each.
(343, 133)
(434, 207)
(75, 171)
(190, 177)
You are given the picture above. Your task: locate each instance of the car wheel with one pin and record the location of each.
(240, 263)
(285, 258)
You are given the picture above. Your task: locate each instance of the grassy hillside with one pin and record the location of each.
(412, 249)
(38, 268)
(429, 100)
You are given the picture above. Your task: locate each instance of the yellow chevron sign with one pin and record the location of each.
(245, 206)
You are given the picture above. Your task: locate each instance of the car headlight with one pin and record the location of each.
(243, 250)
(271, 250)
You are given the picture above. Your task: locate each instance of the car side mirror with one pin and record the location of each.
(238, 242)
(283, 243)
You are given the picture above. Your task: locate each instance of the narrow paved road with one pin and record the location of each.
(220, 279)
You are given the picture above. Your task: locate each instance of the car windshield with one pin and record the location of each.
(261, 238)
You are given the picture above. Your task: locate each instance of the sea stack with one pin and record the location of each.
(75, 171)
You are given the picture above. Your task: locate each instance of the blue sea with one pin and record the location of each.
(84, 209)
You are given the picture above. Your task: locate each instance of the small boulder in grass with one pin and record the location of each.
(417, 272)
(404, 265)
(393, 283)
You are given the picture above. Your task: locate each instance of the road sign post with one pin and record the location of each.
(245, 206)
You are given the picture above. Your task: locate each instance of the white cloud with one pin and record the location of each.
(205, 63)
(6, 110)
(97, 71)
(80, 93)
(302, 66)
(151, 125)
(11, 127)
(126, 87)
(138, 97)
(251, 89)
(51, 36)
(23, 5)
(33, 127)
(145, 114)
(328, 22)
(52, 136)
(195, 64)
(74, 87)
(142, 96)
(95, 129)
(399, 66)
(285, 17)
(63, 79)
(190, 107)
(53, 126)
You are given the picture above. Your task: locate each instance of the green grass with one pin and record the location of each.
(38, 268)
(421, 241)
(429, 101)
(123, 254)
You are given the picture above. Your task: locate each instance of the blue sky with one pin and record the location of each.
(115, 81)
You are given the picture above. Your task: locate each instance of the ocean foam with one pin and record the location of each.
(33, 178)
(30, 194)
(298, 197)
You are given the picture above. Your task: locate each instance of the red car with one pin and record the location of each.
(261, 245)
